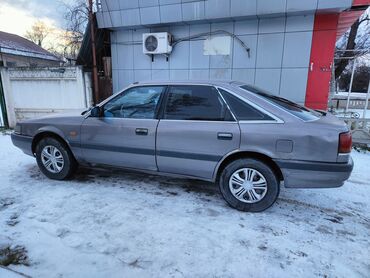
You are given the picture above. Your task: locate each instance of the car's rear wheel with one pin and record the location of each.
(249, 185)
(54, 159)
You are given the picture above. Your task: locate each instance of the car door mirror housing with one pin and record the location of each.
(95, 112)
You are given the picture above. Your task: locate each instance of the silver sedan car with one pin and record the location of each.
(245, 140)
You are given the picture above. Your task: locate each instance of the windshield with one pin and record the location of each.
(297, 110)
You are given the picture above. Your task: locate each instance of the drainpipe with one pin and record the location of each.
(93, 47)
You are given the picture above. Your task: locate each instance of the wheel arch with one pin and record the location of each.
(248, 154)
(54, 133)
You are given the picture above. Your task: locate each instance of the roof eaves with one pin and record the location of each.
(17, 52)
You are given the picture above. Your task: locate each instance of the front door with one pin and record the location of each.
(125, 133)
(195, 131)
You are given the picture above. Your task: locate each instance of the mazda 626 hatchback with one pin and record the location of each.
(247, 141)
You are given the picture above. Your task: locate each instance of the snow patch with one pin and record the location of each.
(120, 224)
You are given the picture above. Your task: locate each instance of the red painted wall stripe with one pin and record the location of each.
(322, 53)
(346, 19)
(360, 2)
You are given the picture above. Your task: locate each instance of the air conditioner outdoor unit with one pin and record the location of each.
(157, 43)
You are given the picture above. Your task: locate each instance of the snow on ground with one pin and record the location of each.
(120, 224)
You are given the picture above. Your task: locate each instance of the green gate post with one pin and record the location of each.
(3, 105)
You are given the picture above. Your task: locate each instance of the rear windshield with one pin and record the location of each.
(297, 110)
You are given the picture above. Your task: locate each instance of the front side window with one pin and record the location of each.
(137, 102)
(297, 110)
(201, 103)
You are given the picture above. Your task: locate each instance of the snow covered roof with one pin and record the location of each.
(16, 45)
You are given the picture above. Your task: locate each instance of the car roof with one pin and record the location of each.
(232, 85)
(246, 95)
(191, 82)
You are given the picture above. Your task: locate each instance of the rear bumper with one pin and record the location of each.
(22, 142)
(303, 174)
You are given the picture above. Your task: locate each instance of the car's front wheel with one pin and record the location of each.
(54, 159)
(249, 185)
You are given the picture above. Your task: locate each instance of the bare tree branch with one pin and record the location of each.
(352, 40)
(38, 32)
(77, 16)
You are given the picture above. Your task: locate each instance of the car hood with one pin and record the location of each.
(57, 117)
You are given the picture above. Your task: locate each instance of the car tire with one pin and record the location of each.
(63, 166)
(249, 185)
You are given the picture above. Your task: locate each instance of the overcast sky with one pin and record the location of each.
(16, 16)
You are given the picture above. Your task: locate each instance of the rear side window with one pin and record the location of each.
(202, 103)
(297, 110)
(242, 110)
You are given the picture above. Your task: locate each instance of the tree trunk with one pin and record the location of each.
(351, 44)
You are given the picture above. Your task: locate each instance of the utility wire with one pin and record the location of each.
(200, 36)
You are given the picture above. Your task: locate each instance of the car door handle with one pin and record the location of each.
(141, 131)
(224, 136)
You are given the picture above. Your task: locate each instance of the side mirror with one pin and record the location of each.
(95, 112)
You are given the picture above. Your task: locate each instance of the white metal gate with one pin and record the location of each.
(34, 92)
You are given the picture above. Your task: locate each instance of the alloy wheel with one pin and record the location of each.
(52, 159)
(248, 185)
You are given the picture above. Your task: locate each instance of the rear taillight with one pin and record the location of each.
(345, 142)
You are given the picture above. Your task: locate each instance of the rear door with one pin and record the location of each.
(195, 131)
(124, 135)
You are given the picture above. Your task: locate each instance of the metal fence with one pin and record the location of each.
(352, 107)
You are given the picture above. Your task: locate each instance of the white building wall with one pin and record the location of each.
(279, 56)
(134, 13)
(31, 92)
